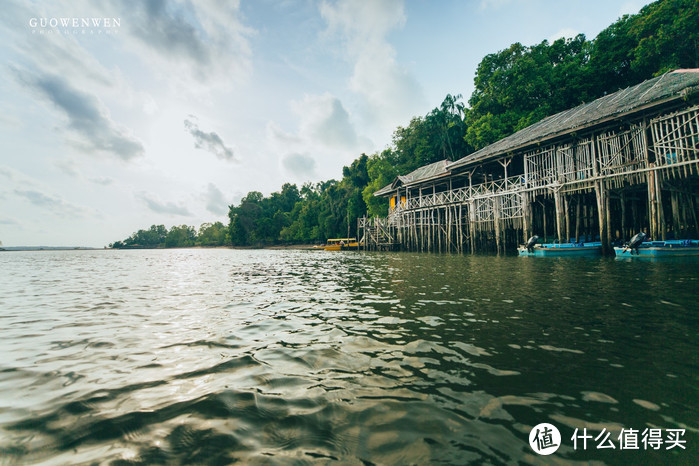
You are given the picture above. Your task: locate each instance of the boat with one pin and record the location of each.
(341, 244)
(562, 249)
(679, 247)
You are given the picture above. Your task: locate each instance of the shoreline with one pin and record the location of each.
(86, 248)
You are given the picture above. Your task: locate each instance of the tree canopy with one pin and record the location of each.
(182, 236)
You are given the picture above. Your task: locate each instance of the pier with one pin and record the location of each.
(604, 170)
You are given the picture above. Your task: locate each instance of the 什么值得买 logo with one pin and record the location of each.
(545, 439)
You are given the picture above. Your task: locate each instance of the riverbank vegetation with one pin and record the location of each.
(158, 236)
(514, 88)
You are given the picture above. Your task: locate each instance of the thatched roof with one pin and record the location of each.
(670, 86)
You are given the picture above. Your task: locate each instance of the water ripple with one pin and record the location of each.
(217, 356)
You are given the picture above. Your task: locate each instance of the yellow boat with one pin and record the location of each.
(341, 244)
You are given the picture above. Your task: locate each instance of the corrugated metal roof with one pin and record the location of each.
(674, 84)
(423, 173)
(428, 171)
(388, 189)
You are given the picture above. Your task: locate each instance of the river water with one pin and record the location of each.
(293, 357)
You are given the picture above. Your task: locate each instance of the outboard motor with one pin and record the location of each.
(635, 242)
(531, 242)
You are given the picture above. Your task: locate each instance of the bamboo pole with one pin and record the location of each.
(602, 206)
(676, 222)
(567, 218)
(661, 212)
(577, 219)
(624, 233)
(543, 217)
(498, 227)
(652, 206)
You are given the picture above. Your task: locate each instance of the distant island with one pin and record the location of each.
(47, 248)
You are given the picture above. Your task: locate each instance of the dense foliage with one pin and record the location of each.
(514, 88)
(157, 236)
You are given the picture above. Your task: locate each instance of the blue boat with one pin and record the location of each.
(562, 250)
(680, 247)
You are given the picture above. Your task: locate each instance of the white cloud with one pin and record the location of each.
(301, 166)
(102, 180)
(199, 43)
(281, 138)
(67, 166)
(390, 92)
(163, 207)
(323, 119)
(53, 204)
(210, 142)
(324, 136)
(8, 221)
(215, 200)
(87, 117)
(495, 4)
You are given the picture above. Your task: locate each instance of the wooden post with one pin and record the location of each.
(608, 216)
(567, 218)
(496, 220)
(543, 217)
(560, 218)
(577, 219)
(622, 197)
(652, 205)
(461, 227)
(527, 220)
(439, 231)
(429, 230)
(661, 212)
(692, 209)
(602, 205)
(674, 201)
(472, 225)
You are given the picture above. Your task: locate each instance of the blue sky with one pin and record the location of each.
(179, 108)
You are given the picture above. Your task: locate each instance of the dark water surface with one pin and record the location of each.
(292, 357)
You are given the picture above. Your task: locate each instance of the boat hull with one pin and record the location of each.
(342, 247)
(562, 250)
(661, 249)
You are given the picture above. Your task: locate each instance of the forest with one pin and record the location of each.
(514, 88)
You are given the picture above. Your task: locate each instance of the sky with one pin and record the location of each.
(167, 112)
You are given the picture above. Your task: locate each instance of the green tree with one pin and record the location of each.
(244, 220)
(381, 172)
(519, 86)
(213, 234)
(182, 236)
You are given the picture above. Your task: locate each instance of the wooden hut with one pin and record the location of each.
(603, 170)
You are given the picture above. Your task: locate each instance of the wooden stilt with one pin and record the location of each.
(577, 219)
(661, 211)
(602, 204)
(560, 217)
(567, 218)
(652, 206)
(624, 233)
